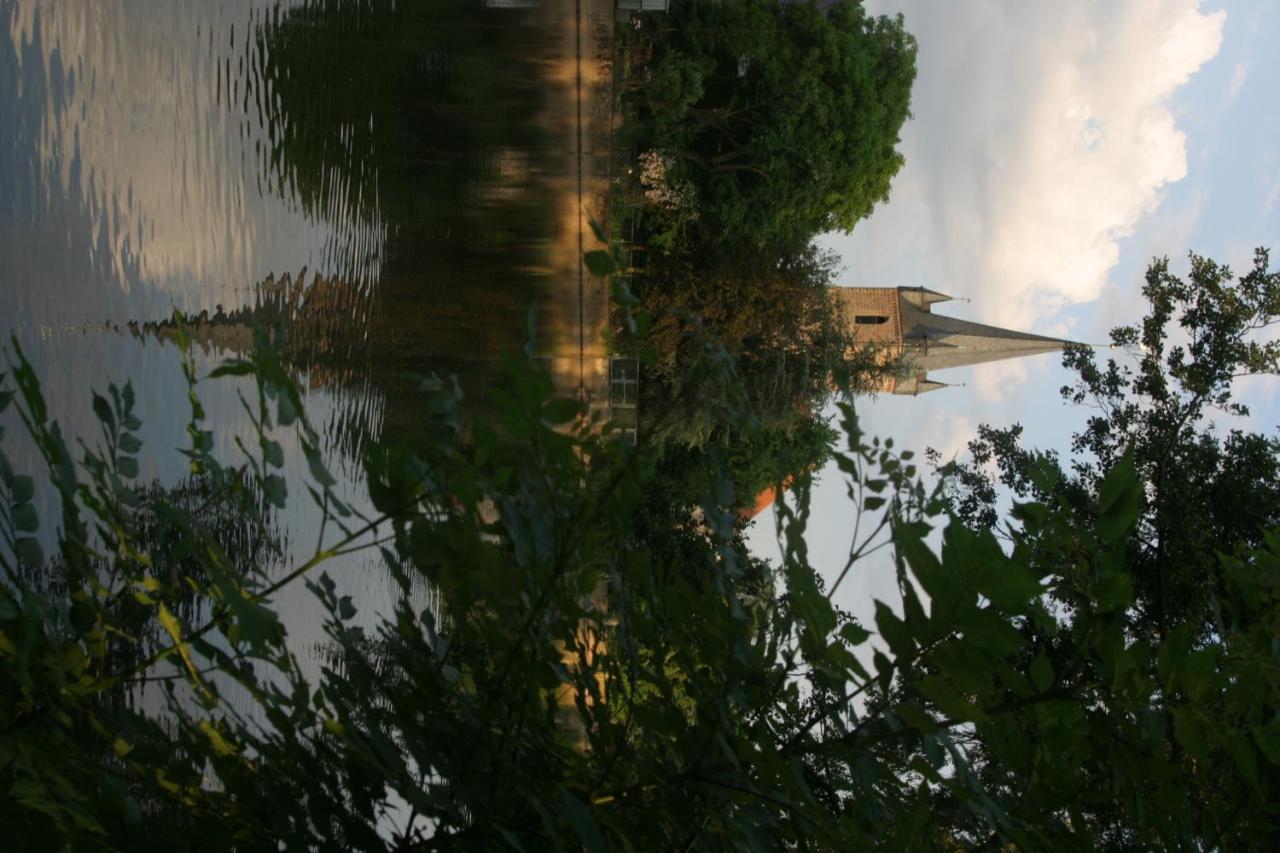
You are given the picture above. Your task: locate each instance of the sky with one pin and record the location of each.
(1054, 149)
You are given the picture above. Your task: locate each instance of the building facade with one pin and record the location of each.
(901, 322)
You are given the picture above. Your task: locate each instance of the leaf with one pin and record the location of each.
(582, 821)
(1041, 673)
(1009, 585)
(216, 739)
(1189, 731)
(127, 466)
(233, 367)
(894, 631)
(315, 462)
(1268, 741)
(25, 518)
(916, 717)
(102, 409)
(130, 443)
(1118, 501)
(346, 610)
(273, 453)
(1241, 752)
(948, 700)
(174, 629)
(275, 490)
(854, 635)
(21, 489)
(600, 263)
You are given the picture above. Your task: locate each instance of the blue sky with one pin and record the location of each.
(1055, 149)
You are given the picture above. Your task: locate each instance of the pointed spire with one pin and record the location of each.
(935, 342)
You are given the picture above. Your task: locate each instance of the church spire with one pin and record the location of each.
(902, 320)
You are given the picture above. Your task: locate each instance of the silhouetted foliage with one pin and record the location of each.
(593, 678)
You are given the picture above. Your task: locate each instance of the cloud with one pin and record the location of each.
(1043, 135)
(1238, 75)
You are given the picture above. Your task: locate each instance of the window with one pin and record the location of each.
(624, 382)
(870, 319)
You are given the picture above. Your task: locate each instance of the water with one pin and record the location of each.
(395, 183)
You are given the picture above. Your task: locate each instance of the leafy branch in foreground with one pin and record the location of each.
(583, 677)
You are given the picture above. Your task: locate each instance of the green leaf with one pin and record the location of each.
(273, 453)
(233, 367)
(346, 610)
(1189, 731)
(1115, 592)
(600, 263)
(102, 409)
(22, 488)
(1241, 751)
(130, 443)
(854, 635)
(894, 631)
(25, 518)
(29, 552)
(127, 466)
(275, 490)
(1268, 740)
(915, 717)
(598, 229)
(949, 701)
(1009, 585)
(1118, 501)
(1041, 673)
(315, 462)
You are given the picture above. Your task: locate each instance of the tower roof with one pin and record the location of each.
(902, 320)
(935, 342)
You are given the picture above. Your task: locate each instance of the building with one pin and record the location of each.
(901, 321)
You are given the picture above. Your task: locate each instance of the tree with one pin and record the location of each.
(1203, 492)
(784, 119)
(1203, 503)
(587, 681)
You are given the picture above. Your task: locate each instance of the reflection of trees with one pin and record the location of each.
(429, 118)
(414, 113)
(175, 528)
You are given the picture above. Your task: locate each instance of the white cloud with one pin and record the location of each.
(1238, 75)
(1043, 136)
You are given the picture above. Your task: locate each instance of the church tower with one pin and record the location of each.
(901, 322)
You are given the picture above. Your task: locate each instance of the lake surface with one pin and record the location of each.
(396, 184)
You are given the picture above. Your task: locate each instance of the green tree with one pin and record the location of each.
(784, 119)
(588, 681)
(1205, 491)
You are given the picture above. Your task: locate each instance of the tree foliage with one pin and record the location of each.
(782, 117)
(1205, 491)
(587, 681)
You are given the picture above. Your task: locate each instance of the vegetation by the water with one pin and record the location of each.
(754, 126)
(600, 676)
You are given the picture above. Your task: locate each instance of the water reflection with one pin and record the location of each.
(391, 183)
